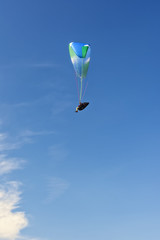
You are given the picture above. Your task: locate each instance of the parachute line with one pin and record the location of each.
(77, 85)
(81, 81)
(85, 89)
(81, 90)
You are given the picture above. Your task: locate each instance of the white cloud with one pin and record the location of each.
(9, 164)
(6, 145)
(9, 146)
(56, 188)
(11, 222)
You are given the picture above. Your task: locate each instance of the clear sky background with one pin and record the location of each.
(95, 174)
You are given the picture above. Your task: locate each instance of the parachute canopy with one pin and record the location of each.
(80, 57)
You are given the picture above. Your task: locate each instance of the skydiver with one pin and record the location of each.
(81, 106)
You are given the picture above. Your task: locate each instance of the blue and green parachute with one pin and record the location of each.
(80, 57)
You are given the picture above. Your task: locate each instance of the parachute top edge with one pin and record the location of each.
(80, 49)
(84, 44)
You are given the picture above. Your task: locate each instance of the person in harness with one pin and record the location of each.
(81, 106)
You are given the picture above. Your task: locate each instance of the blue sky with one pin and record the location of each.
(95, 174)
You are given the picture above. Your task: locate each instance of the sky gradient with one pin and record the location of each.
(95, 174)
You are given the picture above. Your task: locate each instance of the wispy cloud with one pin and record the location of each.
(11, 221)
(46, 99)
(1, 122)
(6, 144)
(28, 238)
(8, 107)
(9, 146)
(30, 133)
(3, 136)
(60, 107)
(58, 152)
(56, 188)
(57, 106)
(27, 136)
(29, 65)
(44, 65)
(9, 164)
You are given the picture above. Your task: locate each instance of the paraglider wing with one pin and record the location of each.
(80, 57)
